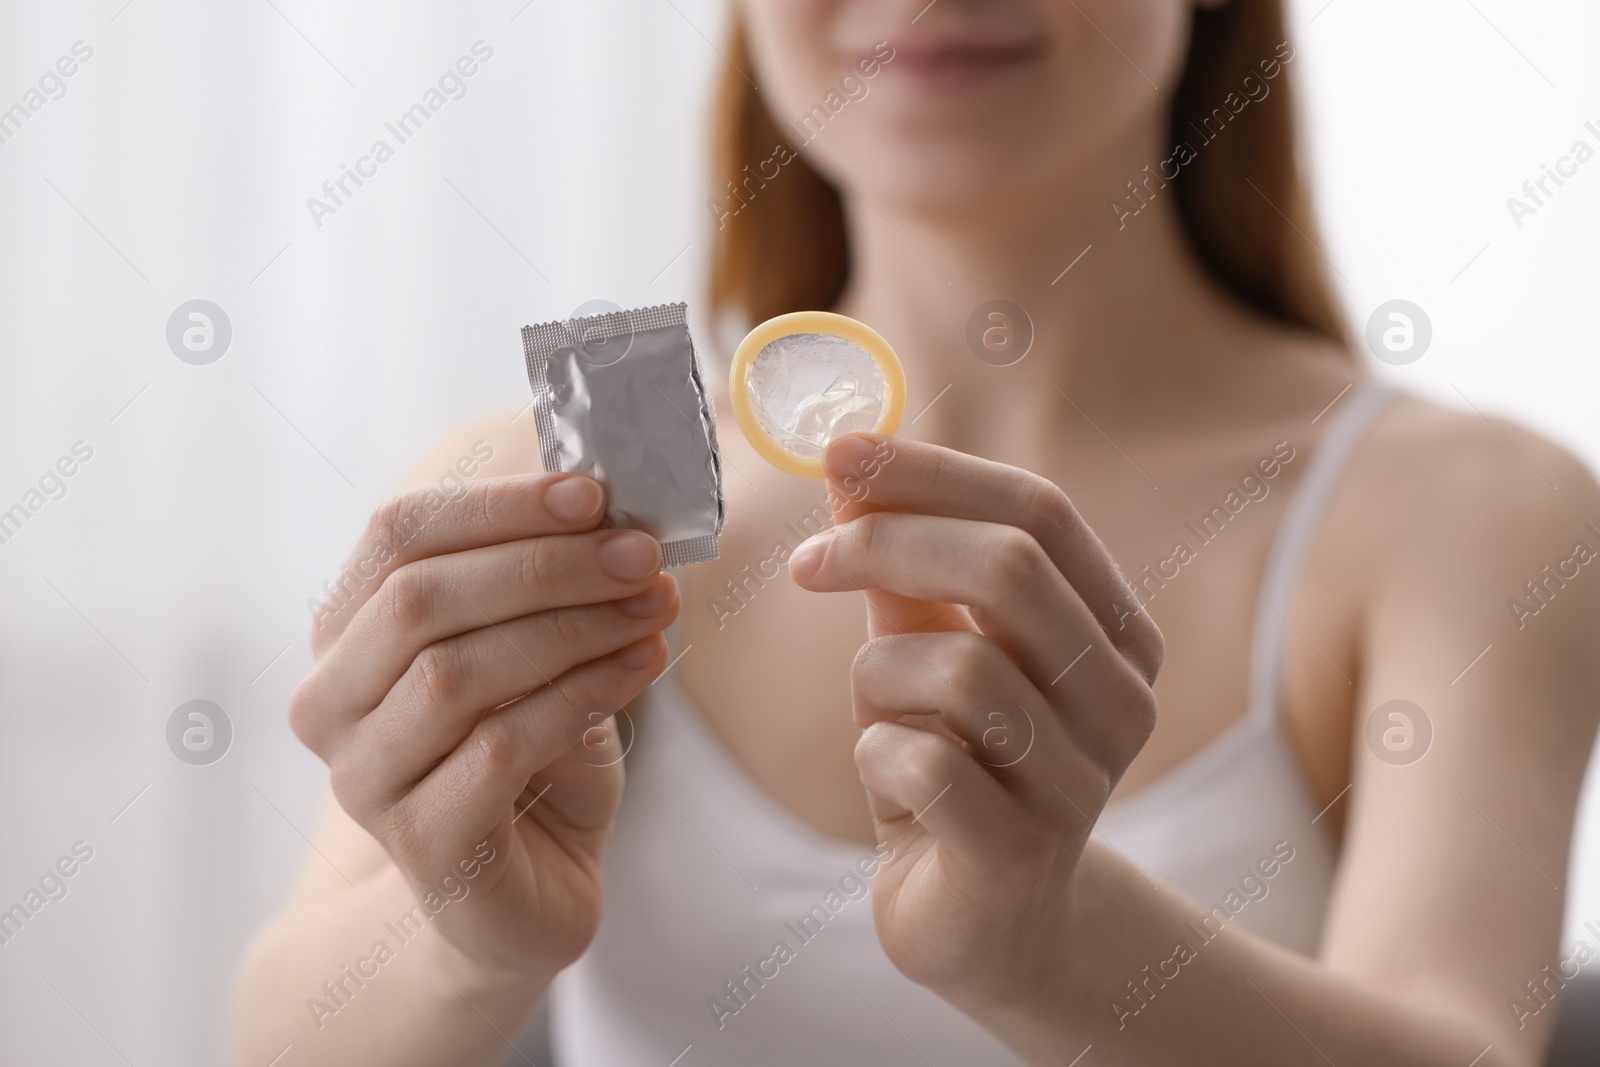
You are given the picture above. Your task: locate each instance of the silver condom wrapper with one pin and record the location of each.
(619, 397)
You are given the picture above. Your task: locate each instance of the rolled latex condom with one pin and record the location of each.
(803, 379)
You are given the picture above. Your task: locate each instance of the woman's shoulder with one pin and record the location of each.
(1438, 464)
(1455, 503)
(488, 447)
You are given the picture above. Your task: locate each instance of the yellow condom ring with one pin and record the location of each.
(829, 325)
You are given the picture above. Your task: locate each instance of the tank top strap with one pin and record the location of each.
(1348, 422)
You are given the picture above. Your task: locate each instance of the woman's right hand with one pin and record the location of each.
(467, 664)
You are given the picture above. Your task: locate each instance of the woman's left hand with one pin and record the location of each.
(1004, 689)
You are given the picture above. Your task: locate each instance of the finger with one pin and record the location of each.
(977, 694)
(930, 480)
(431, 599)
(580, 790)
(916, 778)
(467, 794)
(887, 613)
(430, 522)
(445, 692)
(581, 798)
(1014, 591)
(1019, 600)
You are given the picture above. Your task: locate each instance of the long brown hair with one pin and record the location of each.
(1241, 200)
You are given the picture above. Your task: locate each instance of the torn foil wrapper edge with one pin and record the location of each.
(571, 441)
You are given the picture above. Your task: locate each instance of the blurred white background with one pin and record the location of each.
(218, 498)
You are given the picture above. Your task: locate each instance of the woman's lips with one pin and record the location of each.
(960, 64)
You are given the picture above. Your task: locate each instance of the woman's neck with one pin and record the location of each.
(1120, 310)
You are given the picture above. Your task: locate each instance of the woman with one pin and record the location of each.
(1287, 868)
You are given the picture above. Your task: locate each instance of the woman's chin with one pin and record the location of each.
(969, 185)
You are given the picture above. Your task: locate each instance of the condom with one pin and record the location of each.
(803, 379)
(619, 397)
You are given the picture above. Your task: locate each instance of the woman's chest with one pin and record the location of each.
(768, 664)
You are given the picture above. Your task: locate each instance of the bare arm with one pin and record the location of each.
(475, 639)
(426, 1004)
(1448, 898)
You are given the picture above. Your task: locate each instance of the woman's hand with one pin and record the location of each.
(469, 661)
(1004, 689)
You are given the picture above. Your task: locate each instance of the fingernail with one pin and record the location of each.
(652, 601)
(807, 558)
(629, 556)
(640, 654)
(573, 499)
(847, 454)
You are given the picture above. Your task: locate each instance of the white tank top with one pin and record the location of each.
(735, 934)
